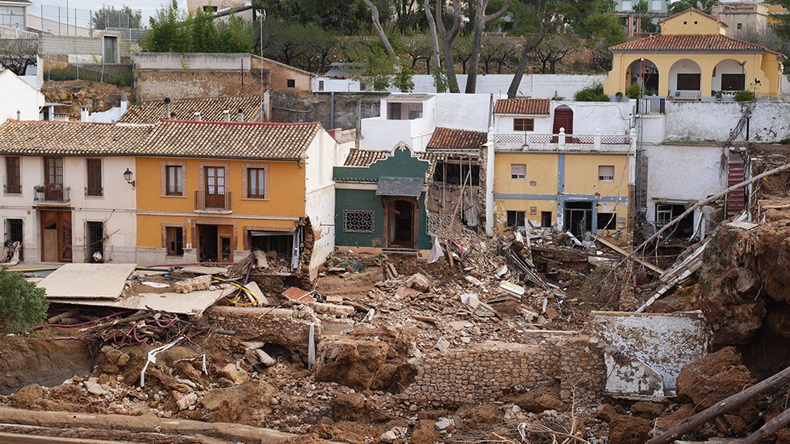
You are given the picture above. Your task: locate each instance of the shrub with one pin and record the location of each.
(22, 304)
(633, 91)
(592, 93)
(744, 96)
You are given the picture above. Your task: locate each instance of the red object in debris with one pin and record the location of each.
(297, 294)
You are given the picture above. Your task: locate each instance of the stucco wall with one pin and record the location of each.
(18, 96)
(322, 156)
(463, 111)
(532, 85)
(713, 121)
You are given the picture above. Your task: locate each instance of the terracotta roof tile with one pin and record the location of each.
(184, 109)
(69, 138)
(363, 158)
(688, 42)
(522, 106)
(450, 138)
(165, 139)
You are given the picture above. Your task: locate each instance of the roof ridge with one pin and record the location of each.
(223, 123)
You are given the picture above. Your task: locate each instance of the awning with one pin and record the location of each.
(400, 186)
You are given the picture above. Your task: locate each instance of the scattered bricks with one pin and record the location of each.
(193, 284)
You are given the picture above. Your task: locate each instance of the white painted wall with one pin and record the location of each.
(503, 124)
(713, 121)
(109, 116)
(463, 111)
(532, 85)
(336, 85)
(322, 156)
(115, 208)
(683, 66)
(609, 117)
(379, 133)
(18, 95)
(682, 173)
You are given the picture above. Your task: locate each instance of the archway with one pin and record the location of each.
(685, 80)
(728, 75)
(647, 70)
(563, 119)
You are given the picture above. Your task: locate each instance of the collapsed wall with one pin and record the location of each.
(492, 370)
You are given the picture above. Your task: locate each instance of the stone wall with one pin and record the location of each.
(488, 371)
(187, 83)
(291, 107)
(285, 327)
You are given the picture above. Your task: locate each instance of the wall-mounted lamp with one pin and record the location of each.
(128, 175)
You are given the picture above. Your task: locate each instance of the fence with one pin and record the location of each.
(119, 75)
(61, 20)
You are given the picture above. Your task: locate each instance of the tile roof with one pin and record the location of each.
(229, 140)
(688, 42)
(69, 138)
(170, 138)
(184, 109)
(363, 158)
(451, 138)
(522, 106)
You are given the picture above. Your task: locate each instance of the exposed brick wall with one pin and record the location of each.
(487, 371)
(156, 85)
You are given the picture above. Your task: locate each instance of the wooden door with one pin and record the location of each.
(215, 187)
(563, 118)
(56, 236)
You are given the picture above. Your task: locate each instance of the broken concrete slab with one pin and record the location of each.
(192, 304)
(632, 379)
(264, 357)
(253, 287)
(512, 288)
(87, 281)
(662, 342)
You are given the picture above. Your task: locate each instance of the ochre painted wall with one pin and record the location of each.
(581, 174)
(285, 198)
(541, 174)
(691, 21)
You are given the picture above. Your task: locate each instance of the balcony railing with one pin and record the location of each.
(562, 141)
(212, 202)
(94, 191)
(12, 188)
(52, 194)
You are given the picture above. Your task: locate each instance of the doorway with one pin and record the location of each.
(563, 118)
(215, 243)
(56, 236)
(401, 223)
(578, 218)
(94, 242)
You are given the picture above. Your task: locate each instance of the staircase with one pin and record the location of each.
(736, 200)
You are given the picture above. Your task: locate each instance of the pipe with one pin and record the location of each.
(332, 111)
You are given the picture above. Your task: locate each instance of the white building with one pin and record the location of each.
(18, 100)
(64, 193)
(404, 118)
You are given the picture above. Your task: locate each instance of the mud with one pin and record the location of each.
(41, 361)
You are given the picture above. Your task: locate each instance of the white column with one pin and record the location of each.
(490, 151)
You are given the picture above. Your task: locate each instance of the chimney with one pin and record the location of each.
(226, 115)
(167, 107)
(198, 118)
(18, 115)
(124, 103)
(240, 115)
(84, 114)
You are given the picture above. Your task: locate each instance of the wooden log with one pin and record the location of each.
(770, 428)
(721, 408)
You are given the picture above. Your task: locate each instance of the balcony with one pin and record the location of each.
(563, 142)
(212, 203)
(52, 194)
(12, 189)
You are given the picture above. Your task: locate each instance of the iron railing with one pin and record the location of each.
(212, 202)
(52, 194)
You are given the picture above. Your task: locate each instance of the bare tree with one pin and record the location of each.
(17, 54)
(374, 13)
(480, 22)
(553, 50)
(496, 51)
(447, 41)
(437, 64)
(543, 16)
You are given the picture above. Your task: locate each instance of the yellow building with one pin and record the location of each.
(572, 182)
(213, 191)
(691, 59)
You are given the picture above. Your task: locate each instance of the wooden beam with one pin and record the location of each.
(639, 260)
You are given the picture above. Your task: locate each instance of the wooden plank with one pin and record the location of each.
(640, 261)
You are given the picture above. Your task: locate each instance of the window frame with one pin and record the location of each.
(370, 214)
(515, 214)
(524, 124)
(16, 175)
(290, 83)
(91, 189)
(517, 175)
(245, 181)
(183, 228)
(57, 165)
(164, 178)
(606, 178)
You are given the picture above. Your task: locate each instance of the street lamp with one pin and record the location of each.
(128, 175)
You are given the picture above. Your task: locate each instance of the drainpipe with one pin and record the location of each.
(490, 150)
(332, 111)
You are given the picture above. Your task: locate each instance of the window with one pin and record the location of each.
(688, 82)
(516, 218)
(320, 85)
(94, 187)
(606, 173)
(110, 49)
(732, 82)
(174, 241)
(173, 180)
(13, 179)
(14, 233)
(256, 183)
(393, 111)
(523, 124)
(291, 83)
(606, 221)
(53, 170)
(518, 171)
(545, 219)
(740, 26)
(355, 221)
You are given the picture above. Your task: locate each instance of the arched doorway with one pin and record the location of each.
(728, 75)
(563, 118)
(685, 80)
(647, 70)
(401, 222)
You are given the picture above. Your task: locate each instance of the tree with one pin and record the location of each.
(418, 48)
(18, 54)
(683, 5)
(553, 50)
(374, 12)
(167, 33)
(22, 304)
(447, 37)
(109, 17)
(497, 51)
(480, 20)
(782, 27)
